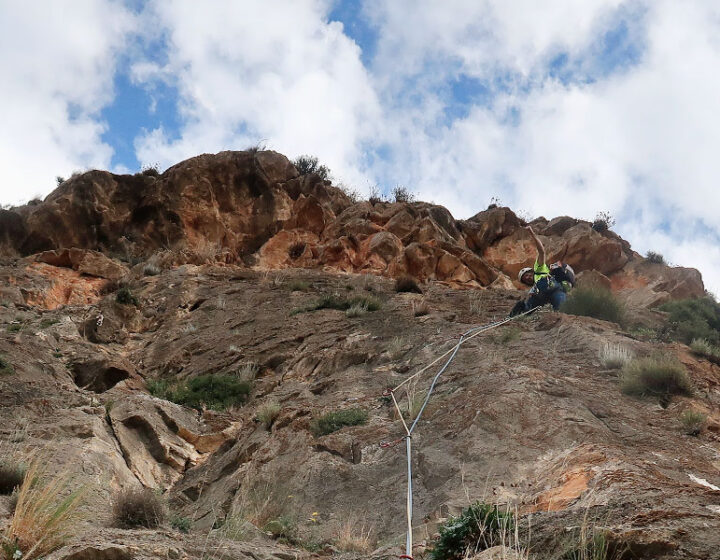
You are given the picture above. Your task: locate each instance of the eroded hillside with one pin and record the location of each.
(527, 416)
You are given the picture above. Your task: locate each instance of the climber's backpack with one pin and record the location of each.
(563, 273)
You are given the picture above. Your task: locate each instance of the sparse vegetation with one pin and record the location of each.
(296, 250)
(282, 528)
(151, 269)
(375, 196)
(59, 180)
(268, 413)
(6, 368)
(341, 304)
(310, 164)
(693, 318)
(603, 221)
(214, 391)
(12, 475)
(139, 508)
(333, 421)
(396, 348)
(508, 335)
(47, 323)
(150, 170)
(614, 356)
(403, 194)
(357, 310)
(15, 327)
(44, 518)
(182, 524)
(597, 302)
(655, 375)
(125, 297)
(406, 283)
(590, 545)
(478, 527)
(354, 536)
(298, 286)
(703, 348)
(655, 258)
(693, 422)
(420, 308)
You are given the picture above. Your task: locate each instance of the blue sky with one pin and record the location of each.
(554, 108)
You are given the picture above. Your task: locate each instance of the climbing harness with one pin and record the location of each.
(452, 352)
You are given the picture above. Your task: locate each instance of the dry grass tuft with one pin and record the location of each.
(139, 508)
(354, 536)
(655, 375)
(268, 413)
(45, 515)
(407, 284)
(420, 308)
(693, 422)
(614, 356)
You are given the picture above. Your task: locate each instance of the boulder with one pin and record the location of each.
(87, 262)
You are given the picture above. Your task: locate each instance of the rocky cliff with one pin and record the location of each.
(231, 264)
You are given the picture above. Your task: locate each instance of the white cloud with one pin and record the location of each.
(274, 71)
(57, 66)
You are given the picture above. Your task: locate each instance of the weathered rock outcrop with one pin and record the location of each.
(254, 207)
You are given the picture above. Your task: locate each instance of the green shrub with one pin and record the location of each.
(215, 391)
(655, 375)
(181, 524)
(309, 164)
(139, 508)
(693, 318)
(12, 475)
(6, 368)
(407, 283)
(693, 422)
(590, 545)
(46, 323)
(282, 528)
(125, 297)
(596, 302)
(333, 421)
(603, 221)
(477, 528)
(15, 327)
(655, 258)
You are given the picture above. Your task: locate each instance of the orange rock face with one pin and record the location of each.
(254, 207)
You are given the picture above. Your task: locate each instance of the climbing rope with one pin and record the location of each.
(452, 352)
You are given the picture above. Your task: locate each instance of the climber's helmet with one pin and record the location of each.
(526, 276)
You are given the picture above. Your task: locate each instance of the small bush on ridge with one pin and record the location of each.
(333, 421)
(139, 508)
(310, 164)
(655, 375)
(655, 258)
(603, 221)
(693, 318)
(403, 194)
(596, 302)
(478, 527)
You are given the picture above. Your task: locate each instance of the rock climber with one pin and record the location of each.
(548, 286)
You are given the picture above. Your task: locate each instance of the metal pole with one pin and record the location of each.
(409, 540)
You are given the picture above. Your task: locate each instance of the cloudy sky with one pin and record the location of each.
(555, 107)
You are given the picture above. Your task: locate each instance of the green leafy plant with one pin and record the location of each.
(215, 391)
(478, 527)
(333, 421)
(655, 375)
(283, 528)
(655, 258)
(139, 507)
(182, 524)
(693, 318)
(596, 302)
